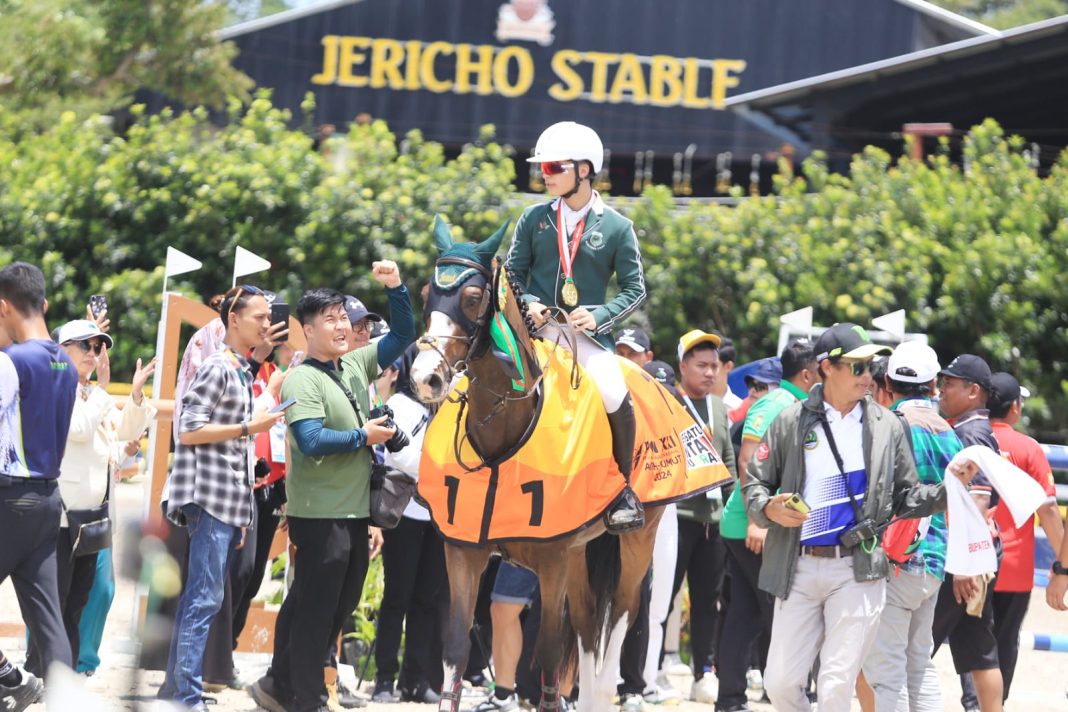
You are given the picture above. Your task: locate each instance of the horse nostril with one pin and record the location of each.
(435, 383)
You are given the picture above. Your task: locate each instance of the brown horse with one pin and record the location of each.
(597, 575)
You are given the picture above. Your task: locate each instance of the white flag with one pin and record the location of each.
(892, 323)
(179, 263)
(246, 262)
(801, 320)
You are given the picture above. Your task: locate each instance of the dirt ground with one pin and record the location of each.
(1039, 685)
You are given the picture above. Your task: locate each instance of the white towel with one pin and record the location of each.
(970, 550)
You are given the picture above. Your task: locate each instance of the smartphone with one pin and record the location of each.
(279, 312)
(797, 504)
(98, 304)
(282, 406)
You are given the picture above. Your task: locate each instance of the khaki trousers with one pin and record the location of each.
(827, 614)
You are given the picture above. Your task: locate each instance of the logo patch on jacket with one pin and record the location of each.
(763, 452)
(812, 441)
(595, 240)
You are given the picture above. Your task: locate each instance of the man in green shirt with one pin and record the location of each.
(750, 608)
(328, 486)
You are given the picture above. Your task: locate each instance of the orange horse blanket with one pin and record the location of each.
(562, 476)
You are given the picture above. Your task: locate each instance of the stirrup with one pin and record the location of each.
(637, 521)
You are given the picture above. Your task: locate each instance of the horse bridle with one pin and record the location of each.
(430, 342)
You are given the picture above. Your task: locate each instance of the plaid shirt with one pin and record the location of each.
(216, 476)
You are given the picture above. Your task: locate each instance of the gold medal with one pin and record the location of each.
(570, 293)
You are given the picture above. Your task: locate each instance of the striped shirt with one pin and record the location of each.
(826, 492)
(934, 444)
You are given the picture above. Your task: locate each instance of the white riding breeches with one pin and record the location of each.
(600, 364)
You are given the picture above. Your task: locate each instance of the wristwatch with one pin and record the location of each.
(1059, 569)
(244, 429)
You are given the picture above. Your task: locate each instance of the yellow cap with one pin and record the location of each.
(695, 337)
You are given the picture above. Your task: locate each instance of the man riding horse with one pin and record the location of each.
(563, 254)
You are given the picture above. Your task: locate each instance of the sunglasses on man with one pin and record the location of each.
(555, 168)
(85, 346)
(857, 368)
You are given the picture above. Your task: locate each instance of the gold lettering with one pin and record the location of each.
(722, 80)
(349, 58)
(599, 81)
(525, 76)
(329, 73)
(426, 67)
(466, 66)
(691, 75)
(411, 67)
(386, 58)
(630, 79)
(665, 81)
(570, 85)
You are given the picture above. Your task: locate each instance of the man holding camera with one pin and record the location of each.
(331, 429)
(828, 474)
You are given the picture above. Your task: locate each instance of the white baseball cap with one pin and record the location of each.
(913, 362)
(81, 330)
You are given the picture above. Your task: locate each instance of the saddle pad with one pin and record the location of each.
(562, 476)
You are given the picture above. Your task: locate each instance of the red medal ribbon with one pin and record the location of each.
(567, 257)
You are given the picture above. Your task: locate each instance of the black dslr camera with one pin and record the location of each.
(862, 531)
(400, 439)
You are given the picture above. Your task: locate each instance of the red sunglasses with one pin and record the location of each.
(555, 168)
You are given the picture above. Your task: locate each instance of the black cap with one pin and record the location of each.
(847, 340)
(969, 367)
(1004, 391)
(633, 338)
(661, 371)
(357, 311)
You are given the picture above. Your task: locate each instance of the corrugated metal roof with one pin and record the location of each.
(791, 91)
(243, 28)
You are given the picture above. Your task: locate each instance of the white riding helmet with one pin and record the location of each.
(568, 141)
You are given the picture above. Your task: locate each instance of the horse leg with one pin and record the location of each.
(581, 611)
(636, 554)
(553, 633)
(465, 566)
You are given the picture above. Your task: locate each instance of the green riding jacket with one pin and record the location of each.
(609, 246)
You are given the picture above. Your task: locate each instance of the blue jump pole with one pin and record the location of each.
(1043, 641)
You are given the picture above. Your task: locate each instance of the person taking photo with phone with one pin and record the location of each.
(211, 483)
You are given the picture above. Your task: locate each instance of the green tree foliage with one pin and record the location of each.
(1006, 13)
(97, 210)
(975, 256)
(91, 56)
(974, 253)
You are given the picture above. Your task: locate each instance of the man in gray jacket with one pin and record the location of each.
(829, 474)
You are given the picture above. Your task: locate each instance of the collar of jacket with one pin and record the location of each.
(596, 210)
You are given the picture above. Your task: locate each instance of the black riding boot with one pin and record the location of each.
(626, 513)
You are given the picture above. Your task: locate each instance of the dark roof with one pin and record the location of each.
(1018, 76)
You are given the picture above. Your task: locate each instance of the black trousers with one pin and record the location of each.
(747, 616)
(29, 529)
(971, 640)
(636, 644)
(330, 568)
(701, 561)
(74, 578)
(415, 598)
(250, 569)
(1010, 608)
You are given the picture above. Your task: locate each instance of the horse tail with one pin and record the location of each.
(605, 568)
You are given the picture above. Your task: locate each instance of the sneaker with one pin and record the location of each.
(631, 702)
(705, 690)
(492, 704)
(22, 695)
(658, 695)
(734, 708)
(383, 691)
(754, 680)
(673, 665)
(267, 696)
(347, 698)
(422, 693)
